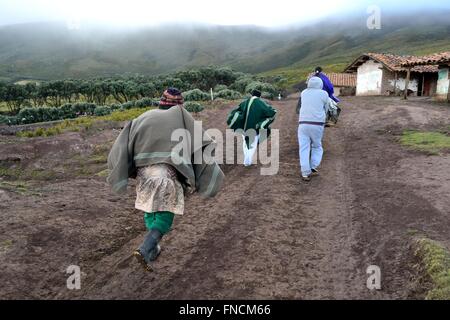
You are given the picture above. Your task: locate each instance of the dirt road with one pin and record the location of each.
(261, 237)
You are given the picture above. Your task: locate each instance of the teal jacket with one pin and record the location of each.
(253, 113)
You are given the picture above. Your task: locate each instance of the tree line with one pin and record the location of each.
(113, 90)
(65, 99)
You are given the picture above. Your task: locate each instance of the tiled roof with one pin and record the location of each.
(434, 59)
(342, 79)
(392, 62)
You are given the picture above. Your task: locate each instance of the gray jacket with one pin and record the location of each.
(314, 102)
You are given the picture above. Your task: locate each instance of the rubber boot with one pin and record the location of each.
(149, 249)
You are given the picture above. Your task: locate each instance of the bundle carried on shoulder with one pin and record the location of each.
(147, 140)
(333, 111)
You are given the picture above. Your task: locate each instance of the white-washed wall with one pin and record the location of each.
(389, 82)
(443, 84)
(401, 82)
(369, 79)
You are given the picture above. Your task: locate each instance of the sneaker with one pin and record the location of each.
(315, 172)
(306, 178)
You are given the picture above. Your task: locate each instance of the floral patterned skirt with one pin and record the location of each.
(158, 189)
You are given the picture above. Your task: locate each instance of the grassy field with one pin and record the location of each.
(432, 142)
(436, 262)
(82, 123)
(295, 74)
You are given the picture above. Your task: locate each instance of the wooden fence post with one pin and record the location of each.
(408, 77)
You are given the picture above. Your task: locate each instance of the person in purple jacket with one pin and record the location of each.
(327, 85)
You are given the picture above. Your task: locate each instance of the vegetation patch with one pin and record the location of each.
(228, 94)
(103, 173)
(432, 142)
(125, 115)
(99, 154)
(435, 260)
(14, 186)
(196, 95)
(5, 245)
(288, 77)
(19, 187)
(27, 174)
(193, 107)
(82, 123)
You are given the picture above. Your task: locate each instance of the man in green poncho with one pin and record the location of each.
(252, 116)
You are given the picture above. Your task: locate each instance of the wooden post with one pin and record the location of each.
(448, 91)
(423, 85)
(395, 83)
(408, 77)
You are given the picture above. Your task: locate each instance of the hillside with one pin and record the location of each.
(51, 51)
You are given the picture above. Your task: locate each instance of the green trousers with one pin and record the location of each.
(161, 221)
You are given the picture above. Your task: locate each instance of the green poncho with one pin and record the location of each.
(147, 140)
(252, 113)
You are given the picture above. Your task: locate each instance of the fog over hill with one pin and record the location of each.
(54, 51)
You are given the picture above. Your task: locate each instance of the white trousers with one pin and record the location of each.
(249, 152)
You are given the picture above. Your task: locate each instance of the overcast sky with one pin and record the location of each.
(130, 13)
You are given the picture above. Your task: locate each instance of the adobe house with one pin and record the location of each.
(442, 60)
(344, 83)
(383, 74)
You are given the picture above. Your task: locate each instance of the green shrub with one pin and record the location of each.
(28, 115)
(193, 107)
(82, 108)
(54, 114)
(241, 84)
(40, 114)
(220, 87)
(228, 94)
(196, 95)
(12, 121)
(4, 119)
(102, 111)
(67, 112)
(145, 103)
(124, 115)
(115, 107)
(128, 105)
(267, 95)
(261, 86)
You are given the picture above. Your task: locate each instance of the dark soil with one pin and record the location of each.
(261, 237)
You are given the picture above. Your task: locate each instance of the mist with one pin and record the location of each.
(135, 14)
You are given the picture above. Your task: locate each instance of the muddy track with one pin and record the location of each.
(276, 236)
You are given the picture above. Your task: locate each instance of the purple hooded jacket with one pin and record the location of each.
(327, 86)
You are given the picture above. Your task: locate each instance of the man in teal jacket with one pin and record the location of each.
(252, 114)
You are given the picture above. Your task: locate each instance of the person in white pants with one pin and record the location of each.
(249, 152)
(252, 116)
